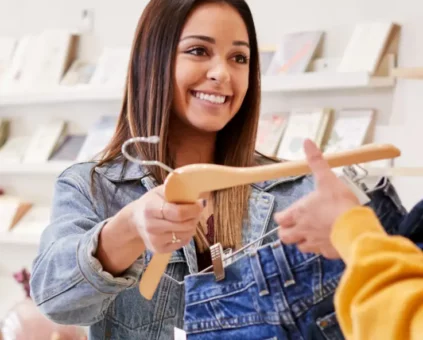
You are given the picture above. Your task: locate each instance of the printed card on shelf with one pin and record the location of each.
(294, 53)
(12, 209)
(302, 124)
(350, 129)
(44, 142)
(270, 130)
(34, 221)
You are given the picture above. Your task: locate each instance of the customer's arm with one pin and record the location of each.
(381, 292)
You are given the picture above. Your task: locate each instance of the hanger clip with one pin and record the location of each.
(217, 256)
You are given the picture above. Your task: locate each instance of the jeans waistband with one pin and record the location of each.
(254, 268)
(386, 191)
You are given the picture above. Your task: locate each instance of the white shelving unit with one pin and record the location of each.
(312, 81)
(62, 94)
(319, 81)
(19, 169)
(16, 239)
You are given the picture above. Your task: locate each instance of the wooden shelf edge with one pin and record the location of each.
(396, 171)
(408, 72)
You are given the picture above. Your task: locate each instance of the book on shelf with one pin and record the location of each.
(350, 129)
(12, 209)
(7, 48)
(111, 67)
(41, 59)
(303, 124)
(44, 141)
(266, 56)
(33, 222)
(13, 151)
(294, 53)
(270, 130)
(69, 148)
(97, 138)
(369, 44)
(14, 74)
(4, 131)
(79, 73)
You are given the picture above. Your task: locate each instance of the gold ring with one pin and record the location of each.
(175, 239)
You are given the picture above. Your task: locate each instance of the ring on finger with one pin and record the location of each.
(175, 239)
(161, 210)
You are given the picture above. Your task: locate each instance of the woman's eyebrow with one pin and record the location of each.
(213, 41)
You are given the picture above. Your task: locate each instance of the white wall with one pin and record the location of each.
(401, 108)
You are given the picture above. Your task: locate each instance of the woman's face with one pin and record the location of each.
(212, 67)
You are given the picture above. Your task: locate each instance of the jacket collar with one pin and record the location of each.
(119, 171)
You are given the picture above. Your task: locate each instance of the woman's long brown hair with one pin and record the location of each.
(148, 102)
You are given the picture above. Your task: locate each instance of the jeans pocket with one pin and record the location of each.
(329, 327)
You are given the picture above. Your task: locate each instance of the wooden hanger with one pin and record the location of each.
(186, 184)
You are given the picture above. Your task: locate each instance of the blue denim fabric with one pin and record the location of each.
(388, 207)
(412, 224)
(268, 294)
(273, 293)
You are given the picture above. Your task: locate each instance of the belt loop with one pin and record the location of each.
(258, 273)
(283, 265)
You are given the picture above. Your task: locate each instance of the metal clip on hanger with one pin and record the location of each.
(187, 183)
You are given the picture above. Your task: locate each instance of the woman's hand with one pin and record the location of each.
(164, 227)
(308, 222)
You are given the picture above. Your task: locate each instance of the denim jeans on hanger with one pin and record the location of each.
(268, 294)
(276, 292)
(387, 206)
(412, 224)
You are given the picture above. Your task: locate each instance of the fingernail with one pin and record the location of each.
(204, 203)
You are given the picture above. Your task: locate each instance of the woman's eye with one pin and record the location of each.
(198, 51)
(241, 59)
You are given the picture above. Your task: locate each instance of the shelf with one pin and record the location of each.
(396, 171)
(19, 239)
(83, 93)
(48, 168)
(408, 73)
(312, 81)
(318, 81)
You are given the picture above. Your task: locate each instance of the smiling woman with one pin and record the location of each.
(194, 80)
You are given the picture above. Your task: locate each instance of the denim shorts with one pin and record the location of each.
(266, 294)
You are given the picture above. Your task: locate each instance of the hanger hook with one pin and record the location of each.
(362, 168)
(152, 140)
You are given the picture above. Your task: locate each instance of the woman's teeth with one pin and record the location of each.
(215, 99)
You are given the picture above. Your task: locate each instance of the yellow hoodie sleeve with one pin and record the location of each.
(380, 296)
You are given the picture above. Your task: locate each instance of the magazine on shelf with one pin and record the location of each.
(295, 53)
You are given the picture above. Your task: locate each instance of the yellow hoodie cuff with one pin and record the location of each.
(350, 226)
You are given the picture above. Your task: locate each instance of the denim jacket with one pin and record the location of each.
(68, 283)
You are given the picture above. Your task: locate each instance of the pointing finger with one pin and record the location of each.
(319, 167)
